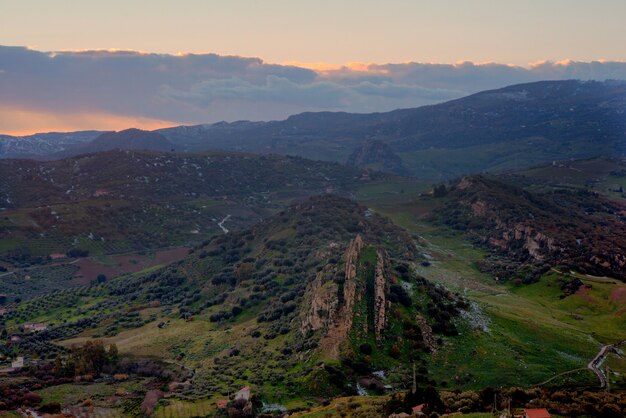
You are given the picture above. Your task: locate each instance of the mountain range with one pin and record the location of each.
(506, 129)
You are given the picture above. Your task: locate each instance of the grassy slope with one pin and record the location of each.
(532, 332)
(503, 156)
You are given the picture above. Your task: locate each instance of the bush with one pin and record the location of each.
(365, 349)
(50, 408)
(77, 253)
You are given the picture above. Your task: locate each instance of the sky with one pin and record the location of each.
(193, 61)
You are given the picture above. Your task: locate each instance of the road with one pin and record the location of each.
(596, 364)
(221, 224)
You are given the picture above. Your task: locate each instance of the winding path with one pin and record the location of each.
(221, 224)
(595, 364)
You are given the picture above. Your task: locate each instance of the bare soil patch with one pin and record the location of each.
(131, 263)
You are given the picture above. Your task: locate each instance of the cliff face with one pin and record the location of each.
(331, 306)
(380, 299)
(538, 245)
(513, 235)
(350, 285)
(323, 305)
(329, 309)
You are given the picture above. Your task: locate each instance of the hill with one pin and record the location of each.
(131, 201)
(606, 176)
(376, 154)
(309, 302)
(578, 230)
(132, 139)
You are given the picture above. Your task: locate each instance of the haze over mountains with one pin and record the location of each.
(510, 128)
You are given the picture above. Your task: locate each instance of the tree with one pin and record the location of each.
(244, 272)
(113, 354)
(91, 358)
(610, 411)
(440, 191)
(101, 278)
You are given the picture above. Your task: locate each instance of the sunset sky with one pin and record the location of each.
(267, 59)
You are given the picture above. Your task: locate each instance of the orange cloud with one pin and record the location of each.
(19, 121)
(324, 67)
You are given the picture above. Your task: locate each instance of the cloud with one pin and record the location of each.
(320, 95)
(148, 89)
(273, 89)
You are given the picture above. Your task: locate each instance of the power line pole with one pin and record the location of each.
(414, 387)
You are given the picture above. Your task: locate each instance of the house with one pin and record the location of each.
(536, 413)
(18, 363)
(419, 410)
(16, 366)
(34, 327)
(222, 404)
(244, 393)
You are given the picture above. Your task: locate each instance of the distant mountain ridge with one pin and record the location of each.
(510, 128)
(130, 139)
(42, 145)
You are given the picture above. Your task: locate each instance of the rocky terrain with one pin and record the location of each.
(580, 230)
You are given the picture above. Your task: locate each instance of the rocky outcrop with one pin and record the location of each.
(380, 300)
(580, 229)
(323, 305)
(427, 334)
(326, 311)
(349, 287)
(537, 244)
